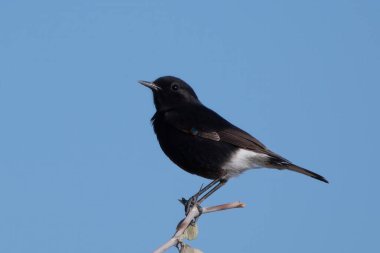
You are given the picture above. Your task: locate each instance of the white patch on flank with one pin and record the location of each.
(243, 160)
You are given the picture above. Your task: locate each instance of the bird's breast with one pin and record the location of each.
(200, 156)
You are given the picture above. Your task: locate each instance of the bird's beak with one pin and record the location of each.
(150, 85)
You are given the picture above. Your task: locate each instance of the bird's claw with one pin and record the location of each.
(190, 203)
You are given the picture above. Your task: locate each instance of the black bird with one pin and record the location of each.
(202, 142)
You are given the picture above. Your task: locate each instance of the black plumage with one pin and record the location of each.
(202, 142)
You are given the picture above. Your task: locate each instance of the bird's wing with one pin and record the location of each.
(207, 124)
(240, 138)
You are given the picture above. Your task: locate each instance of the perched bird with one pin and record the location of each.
(201, 142)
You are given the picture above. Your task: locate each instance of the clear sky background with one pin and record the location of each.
(80, 167)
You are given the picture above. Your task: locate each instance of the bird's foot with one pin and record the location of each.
(190, 203)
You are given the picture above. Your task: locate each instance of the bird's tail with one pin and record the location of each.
(306, 172)
(278, 162)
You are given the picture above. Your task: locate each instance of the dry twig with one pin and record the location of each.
(194, 213)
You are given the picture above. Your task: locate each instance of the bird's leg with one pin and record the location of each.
(206, 188)
(194, 199)
(189, 203)
(214, 189)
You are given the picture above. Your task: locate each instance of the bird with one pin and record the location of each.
(201, 142)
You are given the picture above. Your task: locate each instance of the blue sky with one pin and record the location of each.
(80, 167)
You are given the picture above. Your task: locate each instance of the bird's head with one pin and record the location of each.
(170, 92)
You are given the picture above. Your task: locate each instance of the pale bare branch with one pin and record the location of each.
(193, 213)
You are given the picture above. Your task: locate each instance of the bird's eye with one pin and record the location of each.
(175, 86)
